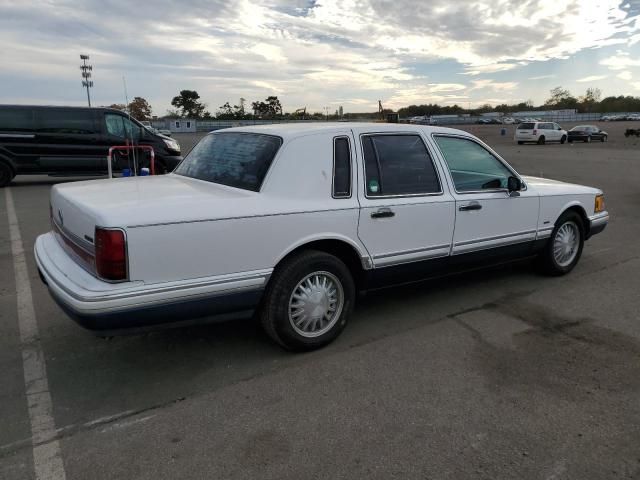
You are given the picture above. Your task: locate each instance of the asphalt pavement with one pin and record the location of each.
(495, 374)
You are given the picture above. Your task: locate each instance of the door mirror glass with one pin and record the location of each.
(514, 184)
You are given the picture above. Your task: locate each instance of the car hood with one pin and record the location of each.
(547, 186)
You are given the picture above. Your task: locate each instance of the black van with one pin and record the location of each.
(72, 140)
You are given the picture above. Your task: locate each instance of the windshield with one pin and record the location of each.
(580, 127)
(239, 160)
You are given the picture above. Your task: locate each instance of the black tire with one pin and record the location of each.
(563, 139)
(6, 174)
(548, 262)
(274, 314)
(541, 140)
(520, 143)
(603, 139)
(588, 139)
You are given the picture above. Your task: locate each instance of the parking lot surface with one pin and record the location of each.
(499, 373)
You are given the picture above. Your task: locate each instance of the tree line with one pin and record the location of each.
(187, 104)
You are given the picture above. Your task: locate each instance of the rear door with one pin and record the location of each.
(67, 140)
(17, 138)
(406, 214)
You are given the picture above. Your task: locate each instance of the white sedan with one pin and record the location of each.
(292, 221)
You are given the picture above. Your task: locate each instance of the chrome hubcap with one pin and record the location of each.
(566, 243)
(316, 304)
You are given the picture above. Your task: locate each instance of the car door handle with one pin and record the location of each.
(383, 213)
(470, 206)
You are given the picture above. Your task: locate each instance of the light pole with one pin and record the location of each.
(86, 75)
(326, 109)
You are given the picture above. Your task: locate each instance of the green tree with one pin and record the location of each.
(189, 103)
(140, 109)
(270, 108)
(561, 98)
(590, 99)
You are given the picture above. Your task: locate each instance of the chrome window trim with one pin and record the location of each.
(333, 176)
(488, 149)
(405, 195)
(17, 135)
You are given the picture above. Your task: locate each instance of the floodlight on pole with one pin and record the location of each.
(86, 75)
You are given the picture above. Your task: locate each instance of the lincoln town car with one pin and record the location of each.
(291, 223)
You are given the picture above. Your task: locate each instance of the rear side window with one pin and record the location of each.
(16, 120)
(526, 126)
(398, 165)
(239, 160)
(341, 168)
(66, 120)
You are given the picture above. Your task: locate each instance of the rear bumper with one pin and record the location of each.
(597, 223)
(111, 308)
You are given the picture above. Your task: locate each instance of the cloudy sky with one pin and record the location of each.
(319, 53)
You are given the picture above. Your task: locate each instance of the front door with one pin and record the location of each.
(406, 215)
(487, 217)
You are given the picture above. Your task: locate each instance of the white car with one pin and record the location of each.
(540, 133)
(293, 220)
(508, 120)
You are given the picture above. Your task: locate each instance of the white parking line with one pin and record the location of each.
(47, 459)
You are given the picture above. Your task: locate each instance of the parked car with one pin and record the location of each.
(540, 133)
(508, 120)
(293, 220)
(71, 140)
(586, 133)
(633, 117)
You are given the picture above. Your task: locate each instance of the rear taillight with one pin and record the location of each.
(111, 254)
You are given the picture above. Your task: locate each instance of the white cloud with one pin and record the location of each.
(542, 77)
(636, 85)
(591, 78)
(621, 61)
(625, 75)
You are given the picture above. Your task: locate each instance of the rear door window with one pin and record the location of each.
(70, 121)
(398, 165)
(526, 126)
(16, 120)
(239, 160)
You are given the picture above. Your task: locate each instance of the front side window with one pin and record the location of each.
(239, 160)
(115, 125)
(472, 167)
(398, 165)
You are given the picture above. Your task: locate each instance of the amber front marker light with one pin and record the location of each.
(599, 206)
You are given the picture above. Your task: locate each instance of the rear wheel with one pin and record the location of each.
(604, 138)
(308, 301)
(588, 139)
(6, 174)
(563, 139)
(564, 247)
(520, 143)
(541, 140)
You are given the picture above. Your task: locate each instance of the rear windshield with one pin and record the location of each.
(526, 126)
(239, 160)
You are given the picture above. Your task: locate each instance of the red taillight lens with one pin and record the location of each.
(111, 254)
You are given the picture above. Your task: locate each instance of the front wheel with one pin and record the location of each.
(564, 248)
(308, 301)
(541, 140)
(6, 174)
(588, 140)
(603, 139)
(563, 139)
(520, 143)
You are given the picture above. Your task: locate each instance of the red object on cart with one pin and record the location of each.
(128, 148)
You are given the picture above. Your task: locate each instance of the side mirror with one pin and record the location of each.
(514, 184)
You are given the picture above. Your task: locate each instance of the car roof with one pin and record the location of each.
(293, 130)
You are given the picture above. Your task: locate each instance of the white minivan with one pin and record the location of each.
(540, 133)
